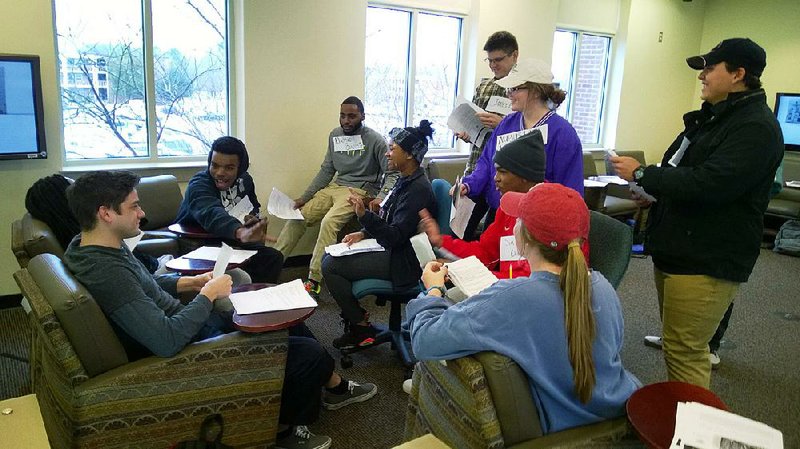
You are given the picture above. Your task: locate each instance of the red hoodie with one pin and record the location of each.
(487, 249)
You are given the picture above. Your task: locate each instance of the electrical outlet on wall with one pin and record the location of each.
(660, 36)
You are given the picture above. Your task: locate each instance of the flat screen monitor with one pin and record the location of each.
(21, 111)
(787, 109)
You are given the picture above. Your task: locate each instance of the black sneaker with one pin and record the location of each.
(355, 393)
(302, 438)
(356, 336)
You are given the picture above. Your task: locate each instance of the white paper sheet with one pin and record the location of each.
(281, 206)
(795, 184)
(498, 104)
(700, 426)
(346, 144)
(463, 119)
(131, 242)
(505, 139)
(364, 246)
(223, 257)
(241, 209)
(470, 275)
(213, 253)
(461, 211)
(423, 249)
(288, 296)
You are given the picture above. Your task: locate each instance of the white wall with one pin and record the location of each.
(775, 25)
(657, 85)
(25, 29)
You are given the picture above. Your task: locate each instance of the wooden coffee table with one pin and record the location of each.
(652, 409)
(268, 321)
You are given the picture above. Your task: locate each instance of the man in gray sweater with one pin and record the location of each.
(148, 319)
(357, 157)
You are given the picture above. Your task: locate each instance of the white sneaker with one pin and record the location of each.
(654, 341)
(407, 386)
(715, 360)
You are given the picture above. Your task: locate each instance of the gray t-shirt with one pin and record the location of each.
(361, 168)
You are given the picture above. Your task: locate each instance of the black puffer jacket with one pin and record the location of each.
(709, 215)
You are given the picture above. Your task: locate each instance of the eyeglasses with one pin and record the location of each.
(512, 90)
(497, 60)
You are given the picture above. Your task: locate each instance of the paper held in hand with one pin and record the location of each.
(223, 257)
(463, 119)
(470, 275)
(241, 209)
(213, 253)
(461, 211)
(364, 246)
(281, 206)
(288, 296)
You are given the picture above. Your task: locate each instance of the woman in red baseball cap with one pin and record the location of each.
(562, 325)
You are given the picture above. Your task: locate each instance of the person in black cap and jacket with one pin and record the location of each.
(392, 228)
(711, 191)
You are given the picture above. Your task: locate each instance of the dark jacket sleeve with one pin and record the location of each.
(404, 220)
(727, 174)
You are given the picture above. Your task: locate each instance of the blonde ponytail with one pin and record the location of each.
(579, 320)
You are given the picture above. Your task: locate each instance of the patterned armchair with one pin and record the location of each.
(91, 396)
(484, 401)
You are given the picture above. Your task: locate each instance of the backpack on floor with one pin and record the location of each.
(788, 239)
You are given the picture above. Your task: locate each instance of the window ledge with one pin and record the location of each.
(183, 170)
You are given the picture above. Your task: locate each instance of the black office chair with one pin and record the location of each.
(610, 243)
(383, 290)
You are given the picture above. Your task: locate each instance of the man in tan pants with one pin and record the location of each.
(356, 156)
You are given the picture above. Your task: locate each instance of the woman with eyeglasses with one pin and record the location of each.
(534, 100)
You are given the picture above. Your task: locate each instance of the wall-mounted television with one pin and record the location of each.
(787, 109)
(21, 110)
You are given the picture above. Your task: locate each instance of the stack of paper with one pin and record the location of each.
(364, 246)
(288, 296)
(213, 253)
(700, 426)
(470, 275)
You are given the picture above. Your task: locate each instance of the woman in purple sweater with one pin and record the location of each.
(534, 100)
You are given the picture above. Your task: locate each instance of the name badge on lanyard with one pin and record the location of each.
(508, 249)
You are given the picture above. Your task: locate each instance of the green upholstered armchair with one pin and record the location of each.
(90, 395)
(484, 400)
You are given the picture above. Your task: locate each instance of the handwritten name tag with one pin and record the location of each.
(505, 139)
(344, 144)
(508, 249)
(500, 105)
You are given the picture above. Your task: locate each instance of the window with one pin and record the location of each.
(411, 70)
(580, 67)
(142, 79)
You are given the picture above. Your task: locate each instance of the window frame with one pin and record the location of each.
(153, 160)
(601, 116)
(412, 64)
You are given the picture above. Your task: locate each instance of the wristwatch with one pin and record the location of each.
(441, 289)
(638, 173)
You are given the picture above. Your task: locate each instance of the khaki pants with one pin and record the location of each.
(691, 308)
(328, 207)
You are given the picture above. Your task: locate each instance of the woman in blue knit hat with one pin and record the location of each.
(392, 227)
